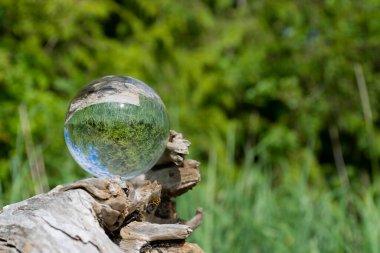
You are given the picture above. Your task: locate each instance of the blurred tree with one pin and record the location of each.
(275, 75)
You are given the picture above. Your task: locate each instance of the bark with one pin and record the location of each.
(108, 215)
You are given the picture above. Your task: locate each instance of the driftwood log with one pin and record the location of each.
(108, 215)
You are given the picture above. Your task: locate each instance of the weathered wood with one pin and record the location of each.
(176, 149)
(176, 180)
(175, 248)
(108, 215)
(139, 234)
(196, 221)
(54, 222)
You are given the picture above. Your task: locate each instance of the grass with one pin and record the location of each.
(249, 209)
(124, 140)
(248, 212)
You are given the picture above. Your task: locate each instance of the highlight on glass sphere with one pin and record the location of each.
(116, 126)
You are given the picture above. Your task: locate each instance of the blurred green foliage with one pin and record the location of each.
(275, 83)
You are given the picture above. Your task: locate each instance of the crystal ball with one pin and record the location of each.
(116, 126)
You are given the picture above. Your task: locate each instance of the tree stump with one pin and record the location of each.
(109, 215)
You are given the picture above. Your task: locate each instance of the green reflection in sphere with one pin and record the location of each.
(116, 126)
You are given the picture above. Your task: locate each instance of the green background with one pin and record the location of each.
(279, 99)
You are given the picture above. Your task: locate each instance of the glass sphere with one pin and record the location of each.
(116, 126)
